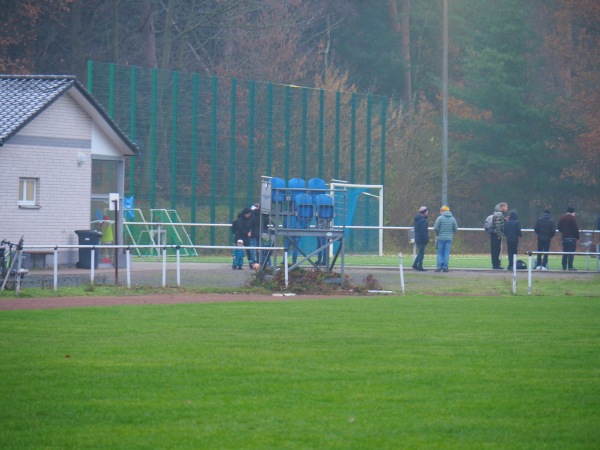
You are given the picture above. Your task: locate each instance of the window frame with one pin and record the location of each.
(24, 183)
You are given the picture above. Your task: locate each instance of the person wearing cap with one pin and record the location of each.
(238, 255)
(544, 229)
(445, 227)
(567, 225)
(421, 227)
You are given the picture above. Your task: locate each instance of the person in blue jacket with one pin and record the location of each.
(421, 236)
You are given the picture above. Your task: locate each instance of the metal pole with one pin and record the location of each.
(529, 263)
(232, 161)
(285, 268)
(173, 149)
(178, 264)
(381, 221)
(128, 265)
(55, 280)
(93, 264)
(321, 131)
(445, 109)
(194, 173)
(116, 202)
(164, 267)
(132, 130)
(213, 156)
(514, 266)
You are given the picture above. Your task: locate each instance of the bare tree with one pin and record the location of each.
(400, 25)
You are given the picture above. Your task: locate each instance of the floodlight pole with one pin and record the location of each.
(445, 109)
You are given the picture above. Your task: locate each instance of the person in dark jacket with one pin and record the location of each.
(544, 229)
(421, 236)
(243, 230)
(567, 225)
(512, 231)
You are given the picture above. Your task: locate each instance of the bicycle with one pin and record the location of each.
(10, 265)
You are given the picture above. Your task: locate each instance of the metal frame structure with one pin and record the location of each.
(294, 214)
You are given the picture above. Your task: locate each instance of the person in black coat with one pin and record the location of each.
(544, 229)
(421, 236)
(512, 231)
(243, 230)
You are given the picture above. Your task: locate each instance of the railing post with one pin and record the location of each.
(285, 268)
(529, 263)
(164, 266)
(401, 267)
(93, 264)
(128, 266)
(178, 264)
(514, 266)
(55, 269)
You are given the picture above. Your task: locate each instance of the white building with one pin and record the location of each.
(61, 155)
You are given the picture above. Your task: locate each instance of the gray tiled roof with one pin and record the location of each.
(24, 97)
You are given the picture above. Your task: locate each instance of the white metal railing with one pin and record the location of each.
(127, 248)
(163, 249)
(531, 254)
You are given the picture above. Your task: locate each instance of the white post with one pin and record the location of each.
(529, 263)
(514, 266)
(401, 273)
(93, 264)
(285, 268)
(164, 267)
(381, 222)
(178, 267)
(128, 266)
(55, 281)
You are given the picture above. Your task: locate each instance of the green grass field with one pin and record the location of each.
(353, 373)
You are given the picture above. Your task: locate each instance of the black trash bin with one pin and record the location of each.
(88, 237)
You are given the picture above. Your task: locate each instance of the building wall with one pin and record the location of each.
(56, 149)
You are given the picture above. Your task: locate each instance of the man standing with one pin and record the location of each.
(497, 233)
(567, 225)
(445, 227)
(421, 237)
(544, 229)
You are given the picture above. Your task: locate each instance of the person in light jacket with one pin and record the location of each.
(497, 233)
(445, 227)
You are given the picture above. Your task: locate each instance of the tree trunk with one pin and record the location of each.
(400, 25)
(114, 32)
(167, 37)
(405, 43)
(148, 39)
(77, 60)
